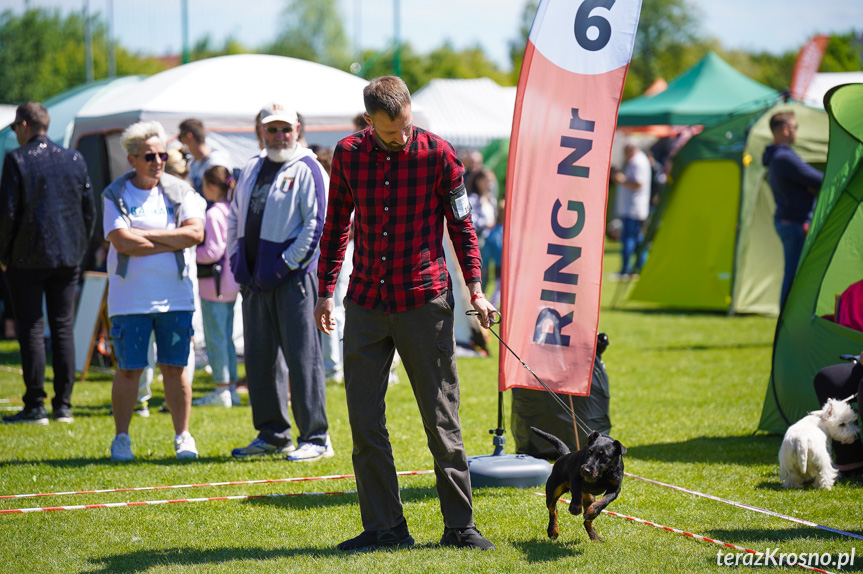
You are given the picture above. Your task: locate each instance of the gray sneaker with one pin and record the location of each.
(121, 448)
(259, 447)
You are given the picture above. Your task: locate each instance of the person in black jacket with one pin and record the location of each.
(47, 215)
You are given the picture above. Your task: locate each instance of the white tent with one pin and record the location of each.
(468, 113)
(821, 83)
(7, 114)
(226, 93)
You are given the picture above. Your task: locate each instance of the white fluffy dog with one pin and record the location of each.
(805, 454)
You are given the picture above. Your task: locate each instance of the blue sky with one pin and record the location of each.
(154, 27)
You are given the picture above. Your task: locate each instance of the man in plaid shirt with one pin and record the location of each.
(397, 179)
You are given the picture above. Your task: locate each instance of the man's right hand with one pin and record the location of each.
(324, 320)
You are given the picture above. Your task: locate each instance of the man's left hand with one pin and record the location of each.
(484, 307)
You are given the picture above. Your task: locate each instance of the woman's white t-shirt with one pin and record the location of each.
(152, 283)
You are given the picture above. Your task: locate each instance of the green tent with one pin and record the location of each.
(806, 339)
(710, 90)
(713, 243)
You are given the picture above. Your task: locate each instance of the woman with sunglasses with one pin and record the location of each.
(152, 220)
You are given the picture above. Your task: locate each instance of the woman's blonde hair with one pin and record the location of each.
(138, 133)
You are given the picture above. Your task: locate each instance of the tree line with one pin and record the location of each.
(42, 51)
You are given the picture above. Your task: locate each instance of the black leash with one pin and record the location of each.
(492, 321)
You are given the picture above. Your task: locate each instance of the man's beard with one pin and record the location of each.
(280, 154)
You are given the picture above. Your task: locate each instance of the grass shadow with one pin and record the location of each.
(144, 560)
(545, 550)
(790, 538)
(9, 357)
(311, 500)
(742, 450)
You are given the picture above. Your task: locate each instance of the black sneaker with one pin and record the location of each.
(63, 415)
(33, 416)
(468, 537)
(397, 537)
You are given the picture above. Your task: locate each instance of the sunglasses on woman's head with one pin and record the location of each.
(151, 157)
(275, 130)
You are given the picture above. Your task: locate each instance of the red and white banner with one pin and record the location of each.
(566, 107)
(807, 64)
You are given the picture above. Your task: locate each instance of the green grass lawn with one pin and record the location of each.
(686, 389)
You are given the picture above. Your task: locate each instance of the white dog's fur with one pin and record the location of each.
(805, 454)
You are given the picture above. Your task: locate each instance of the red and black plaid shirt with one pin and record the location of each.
(400, 200)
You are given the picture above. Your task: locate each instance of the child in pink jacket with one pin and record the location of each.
(218, 290)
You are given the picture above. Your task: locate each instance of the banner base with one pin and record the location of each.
(500, 469)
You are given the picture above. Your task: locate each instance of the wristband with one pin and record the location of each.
(476, 296)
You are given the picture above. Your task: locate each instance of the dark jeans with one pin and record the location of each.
(26, 289)
(793, 235)
(425, 341)
(839, 382)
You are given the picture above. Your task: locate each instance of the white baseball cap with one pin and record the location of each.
(276, 112)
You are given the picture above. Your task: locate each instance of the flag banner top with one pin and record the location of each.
(571, 82)
(807, 64)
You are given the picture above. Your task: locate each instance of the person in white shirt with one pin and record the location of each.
(152, 220)
(633, 205)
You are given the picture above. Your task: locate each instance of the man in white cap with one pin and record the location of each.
(274, 226)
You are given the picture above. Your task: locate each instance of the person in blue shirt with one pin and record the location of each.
(795, 185)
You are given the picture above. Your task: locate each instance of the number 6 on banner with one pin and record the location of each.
(584, 21)
(571, 81)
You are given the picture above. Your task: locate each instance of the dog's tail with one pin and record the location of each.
(562, 449)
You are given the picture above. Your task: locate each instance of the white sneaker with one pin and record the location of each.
(216, 398)
(308, 451)
(235, 397)
(121, 448)
(184, 445)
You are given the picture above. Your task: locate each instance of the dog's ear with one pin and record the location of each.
(828, 409)
(593, 436)
(620, 447)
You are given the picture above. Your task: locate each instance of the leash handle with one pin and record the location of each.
(494, 317)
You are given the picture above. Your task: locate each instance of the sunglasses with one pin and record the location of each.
(273, 130)
(151, 157)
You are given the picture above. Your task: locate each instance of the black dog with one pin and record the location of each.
(595, 469)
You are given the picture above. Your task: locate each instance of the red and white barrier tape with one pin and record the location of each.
(695, 536)
(230, 483)
(176, 501)
(746, 506)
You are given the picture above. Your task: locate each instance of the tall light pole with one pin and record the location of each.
(88, 42)
(358, 30)
(397, 56)
(184, 22)
(112, 61)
